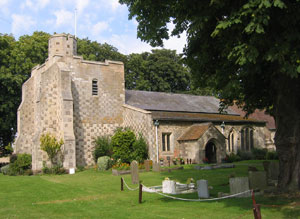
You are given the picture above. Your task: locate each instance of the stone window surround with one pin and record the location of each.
(166, 142)
(247, 138)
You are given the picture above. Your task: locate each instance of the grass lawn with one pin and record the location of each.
(92, 194)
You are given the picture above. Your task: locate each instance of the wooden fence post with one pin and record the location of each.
(122, 185)
(140, 193)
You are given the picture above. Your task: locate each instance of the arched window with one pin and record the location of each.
(247, 139)
(94, 87)
(231, 142)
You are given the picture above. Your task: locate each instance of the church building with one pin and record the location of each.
(79, 100)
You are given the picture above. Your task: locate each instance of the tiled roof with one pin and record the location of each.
(200, 117)
(172, 102)
(194, 132)
(257, 115)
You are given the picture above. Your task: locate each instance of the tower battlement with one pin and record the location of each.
(62, 45)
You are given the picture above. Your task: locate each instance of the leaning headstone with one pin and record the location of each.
(156, 167)
(258, 180)
(147, 165)
(169, 187)
(238, 185)
(134, 168)
(202, 188)
(273, 171)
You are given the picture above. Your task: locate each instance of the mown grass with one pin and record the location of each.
(91, 194)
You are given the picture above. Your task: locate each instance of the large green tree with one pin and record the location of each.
(92, 50)
(16, 60)
(161, 70)
(248, 50)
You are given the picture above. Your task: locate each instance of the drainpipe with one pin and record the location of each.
(223, 127)
(156, 123)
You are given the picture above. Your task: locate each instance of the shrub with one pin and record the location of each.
(103, 147)
(5, 169)
(245, 155)
(232, 158)
(51, 146)
(20, 166)
(140, 149)
(272, 155)
(122, 143)
(259, 153)
(56, 169)
(104, 163)
(13, 158)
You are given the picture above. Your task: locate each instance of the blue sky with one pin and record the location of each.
(100, 20)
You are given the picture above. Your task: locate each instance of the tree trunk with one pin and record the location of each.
(287, 137)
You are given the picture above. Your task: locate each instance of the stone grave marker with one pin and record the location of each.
(202, 188)
(169, 186)
(134, 168)
(258, 180)
(147, 165)
(156, 167)
(273, 171)
(239, 184)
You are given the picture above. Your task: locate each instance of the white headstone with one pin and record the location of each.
(71, 170)
(169, 187)
(202, 188)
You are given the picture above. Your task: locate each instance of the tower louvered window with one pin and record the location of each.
(95, 87)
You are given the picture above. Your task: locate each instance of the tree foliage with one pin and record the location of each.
(51, 146)
(94, 51)
(127, 148)
(249, 51)
(161, 70)
(16, 61)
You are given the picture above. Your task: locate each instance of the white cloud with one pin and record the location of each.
(4, 9)
(21, 23)
(99, 27)
(43, 3)
(64, 18)
(81, 5)
(175, 43)
(127, 44)
(114, 4)
(35, 5)
(3, 3)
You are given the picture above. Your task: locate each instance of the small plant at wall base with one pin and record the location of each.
(103, 147)
(51, 146)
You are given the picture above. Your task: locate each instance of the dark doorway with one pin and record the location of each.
(211, 152)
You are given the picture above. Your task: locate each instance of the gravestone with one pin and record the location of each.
(169, 187)
(238, 185)
(147, 164)
(134, 168)
(273, 171)
(202, 188)
(258, 180)
(156, 167)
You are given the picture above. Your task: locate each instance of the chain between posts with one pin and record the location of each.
(150, 190)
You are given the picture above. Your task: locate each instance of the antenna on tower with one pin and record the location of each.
(75, 22)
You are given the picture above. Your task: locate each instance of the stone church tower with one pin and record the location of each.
(72, 99)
